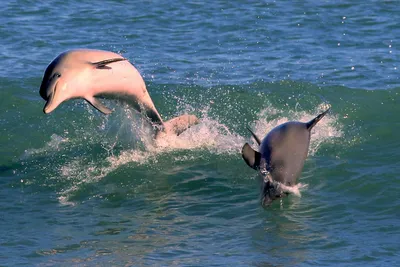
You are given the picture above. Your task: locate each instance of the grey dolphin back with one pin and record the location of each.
(283, 153)
(314, 121)
(251, 157)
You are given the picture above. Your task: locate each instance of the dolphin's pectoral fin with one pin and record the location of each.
(103, 64)
(254, 135)
(251, 157)
(98, 105)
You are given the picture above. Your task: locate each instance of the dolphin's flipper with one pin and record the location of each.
(98, 105)
(251, 157)
(179, 124)
(103, 64)
(314, 121)
(254, 135)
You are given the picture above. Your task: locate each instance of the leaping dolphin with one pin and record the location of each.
(281, 157)
(93, 74)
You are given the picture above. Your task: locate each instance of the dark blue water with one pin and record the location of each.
(78, 188)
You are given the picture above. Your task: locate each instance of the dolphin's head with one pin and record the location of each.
(69, 76)
(270, 191)
(52, 85)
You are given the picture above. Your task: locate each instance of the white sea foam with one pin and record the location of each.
(210, 134)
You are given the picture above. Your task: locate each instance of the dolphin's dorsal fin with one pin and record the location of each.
(251, 157)
(98, 105)
(254, 135)
(103, 64)
(314, 121)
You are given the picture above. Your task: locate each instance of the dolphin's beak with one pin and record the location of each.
(48, 91)
(47, 107)
(51, 101)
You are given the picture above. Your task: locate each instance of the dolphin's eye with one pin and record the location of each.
(55, 76)
(52, 77)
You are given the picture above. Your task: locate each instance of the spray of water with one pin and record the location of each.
(128, 139)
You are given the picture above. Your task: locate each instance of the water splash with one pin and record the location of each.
(127, 138)
(208, 134)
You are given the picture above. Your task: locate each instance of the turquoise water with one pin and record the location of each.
(81, 189)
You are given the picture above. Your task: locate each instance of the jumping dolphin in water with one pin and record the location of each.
(281, 157)
(93, 74)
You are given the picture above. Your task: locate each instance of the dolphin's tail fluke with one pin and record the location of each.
(178, 125)
(314, 121)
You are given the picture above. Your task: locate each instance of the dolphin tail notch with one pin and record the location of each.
(251, 157)
(179, 124)
(314, 121)
(103, 64)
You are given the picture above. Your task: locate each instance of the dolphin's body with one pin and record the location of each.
(93, 74)
(281, 157)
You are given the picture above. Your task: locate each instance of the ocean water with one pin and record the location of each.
(78, 188)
